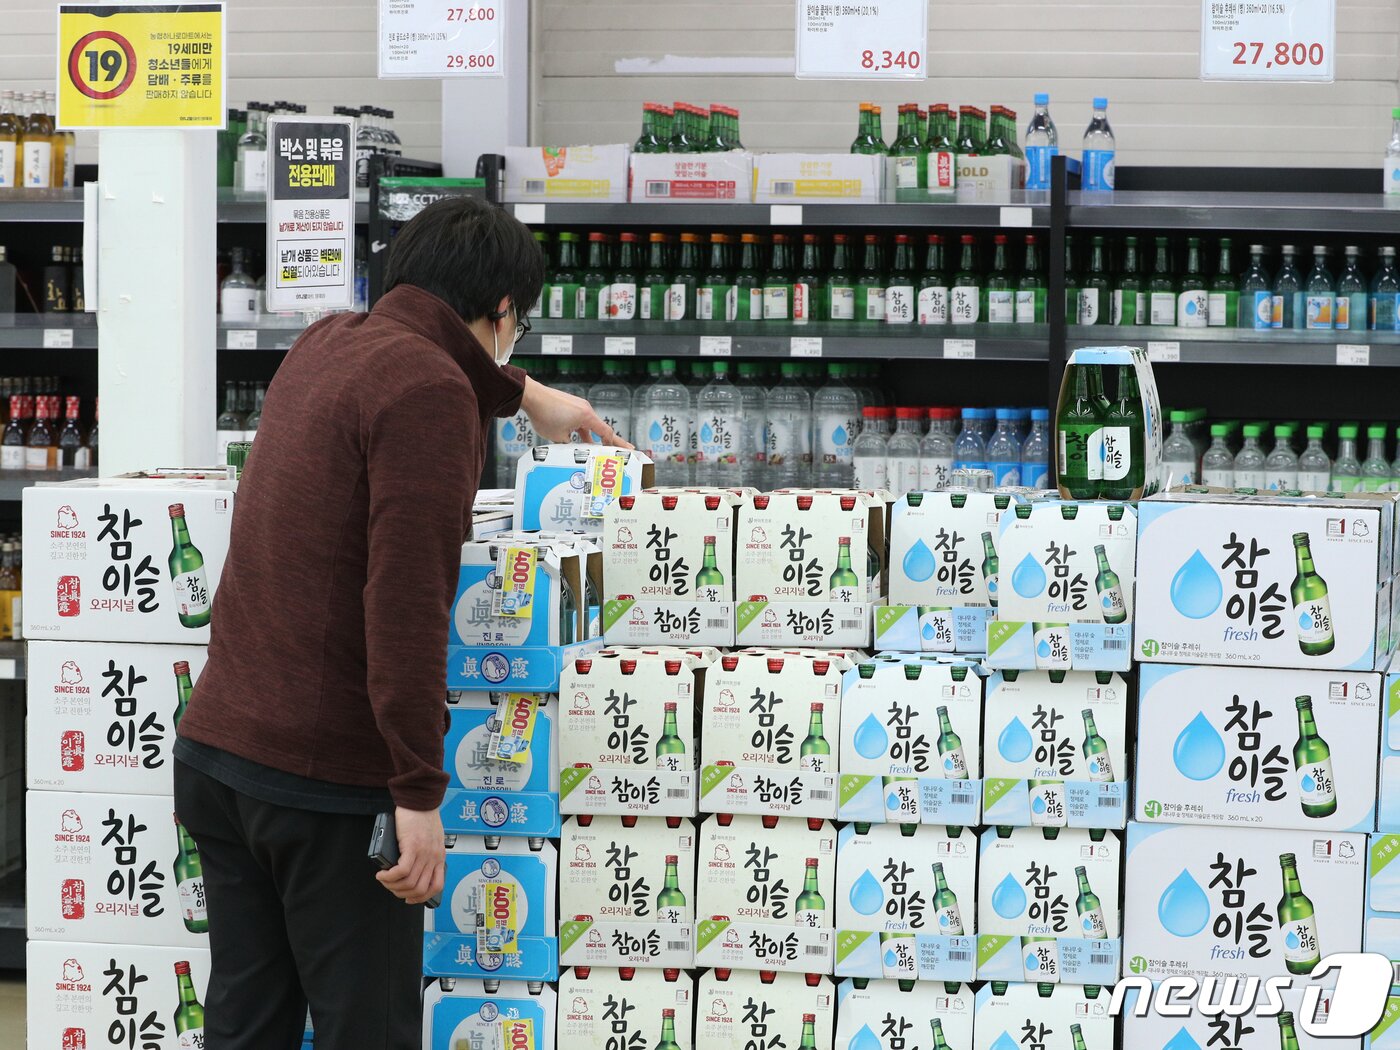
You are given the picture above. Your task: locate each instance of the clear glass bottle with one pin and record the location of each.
(1288, 293)
(1035, 451)
(1314, 465)
(1319, 293)
(754, 452)
(870, 452)
(1375, 468)
(719, 416)
(1004, 450)
(835, 419)
(1346, 468)
(936, 451)
(238, 293)
(611, 398)
(788, 463)
(250, 165)
(665, 431)
(1178, 453)
(970, 450)
(903, 450)
(1249, 461)
(1383, 296)
(1218, 463)
(1281, 466)
(1351, 311)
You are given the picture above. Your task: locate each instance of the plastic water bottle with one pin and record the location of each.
(755, 447)
(970, 451)
(639, 396)
(1042, 143)
(936, 451)
(1383, 297)
(1249, 461)
(1346, 469)
(719, 413)
(1099, 150)
(869, 453)
(1314, 465)
(1392, 154)
(835, 419)
(1004, 450)
(1281, 468)
(1178, 454)
(904, 450)
(788, 461)
(1394, 485)
(1218, 464)
(612, 399)
(1375, 469)
(700, 372)
(1035, 452)
(665, 430)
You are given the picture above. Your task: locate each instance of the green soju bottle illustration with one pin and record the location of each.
(184, 689)
(939, 1043)
(709, 581)
(1091, 921)
(670, 748)
(991, 568)
(189, 882)
(189, 1018)
(1312, 611)
(1296, 921)
(1096, 752)
(668, 1031)
(670, 902)
(1110, 589)
(950, 749)
(815, 756)
(1077, 1034)
(845, 585)
(1312, 758)
(810, 909)
(192, 601)
(948, 918)
(1287, 1037)
(809, 1032)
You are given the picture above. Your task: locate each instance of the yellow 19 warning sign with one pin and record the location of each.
(141, 65)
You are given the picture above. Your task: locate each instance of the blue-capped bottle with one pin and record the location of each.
(1384, 295)
(1256, 309)
(1004, 449)
(1035, 452)
(1099, 150)
(1042, 143)
(970, 451)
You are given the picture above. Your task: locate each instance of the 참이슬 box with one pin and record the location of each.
(747, 1008)
(603, 1008)
(102, 715)
(126, 559)
(566, 173)
(679, 178)
(501, 754)
(891, 1015)
(570, 486)
(1251, 1029)
(493, 1013)
(1058, 1015)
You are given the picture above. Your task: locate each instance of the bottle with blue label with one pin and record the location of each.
(1035, 453)
(1288, 293)
(1004, 449)
(1043, 142)
(1384, 295)
(1320, 293)
(1256, 308)
(1349, 313)
(1099, 150)
(970, 451)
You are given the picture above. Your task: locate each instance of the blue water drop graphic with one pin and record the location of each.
(1107, 601)
(919, 563)
(1182, 1041)
(1305, 621)
(1291, 941)
(866, 895)
(944, 919)
(655, 432)
(892, 801)
(1183, 908)
(1005, 1042)
(1308, 784)
(929, 632)
(991, 586)
(1038, 804)
(1032, 963)
(1015, 742)
(870, 739)
(1009, 899)
(865, 1039)
(1029, 578)
(1088, 925)
(949, 764)
(1191, 308)
(1196, 590)
(1094, 765)
(1199, 752)
(891, 959)
(508, 430)
(1043, 650)
(707, 433)
(839, 436)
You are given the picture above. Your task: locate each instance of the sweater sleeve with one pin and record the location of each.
(419, 461)
(513, 405)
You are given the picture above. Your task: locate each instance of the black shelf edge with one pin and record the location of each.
(1027, 211)
(67, 206)
(48, 331)
(1335, 213)
(1237, 346)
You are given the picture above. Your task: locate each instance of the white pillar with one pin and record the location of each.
(483, 114)
(156, 227)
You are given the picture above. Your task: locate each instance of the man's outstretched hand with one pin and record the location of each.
(556, 415)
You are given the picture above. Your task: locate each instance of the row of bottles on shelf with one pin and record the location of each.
(688, 128)
(44, 432)
(54, 286)
(11, 583)
(241, 296)
(242, 145)
(34, 154)
(243, 406)
(1298, 458)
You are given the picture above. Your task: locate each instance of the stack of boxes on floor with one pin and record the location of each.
(117, 596)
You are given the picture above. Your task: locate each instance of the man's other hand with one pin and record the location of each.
(556, 415)
(419, 873)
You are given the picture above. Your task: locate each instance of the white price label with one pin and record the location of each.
(883, 41)
(242, 339)
(960, 349)
(556, 345)
(530, 214)
(58, 339)
(1277, 40)
(1163, 353)
(716, 346)
(1016, 218)
(805, 346)
(441, 38)
(785, 215)
(1353, 354)
(619, 346)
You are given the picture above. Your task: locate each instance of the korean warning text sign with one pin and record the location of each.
(310, 213)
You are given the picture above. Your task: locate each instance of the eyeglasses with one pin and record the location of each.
(522, 323)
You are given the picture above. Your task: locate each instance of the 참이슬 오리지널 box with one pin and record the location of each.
(603, 1008)
(748, 1008)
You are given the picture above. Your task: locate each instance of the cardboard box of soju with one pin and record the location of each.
(102, 715)
(1047, 905)
(1252, 1029)
(896, 1015)
(670, 567)
(1388, 798)
(566, 173)
(1381, 934)
(502, 757)
(127, 559)
(628, 732)
(1250, 580)
(746, 1008)
(911, 741)
(763, 737)
(1067, 594)
(679, 178)
(1059, 758)
(1048, 1015)
(763, 892)
(502, 1014)
(570, 486)
(1248, 902)
(1257, 747)
(817, 178)
(627, 891)
(601, 1008)
(809, 567)
(1109, 449)
(906, 902)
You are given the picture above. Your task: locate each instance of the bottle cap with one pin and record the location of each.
(1005, 414)
(1348, 430)
(1283, 430)
(1042, 98)
(1177, 416)
(1253, 430)
(1040, 415)
(870, 412)
(908, 413)
(1375, 430)
(182, 969)
(1100, 103)
(177, 510)
(884, 413)
(1315, 431)
(182, 667)
(1219, 430)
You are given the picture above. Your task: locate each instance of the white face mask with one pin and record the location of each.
(501, 359)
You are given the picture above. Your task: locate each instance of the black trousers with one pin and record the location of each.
(296, 917)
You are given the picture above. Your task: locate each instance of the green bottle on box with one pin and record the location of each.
(810, 905)
(815, 755)
(843, 577)
(670, 748)
(1312, 758)
(1287, 1036)
(184, 691)
(670, 902)
(947, 915)
(1297, 921)
(939, 1043)
(709, 581)
(1091, 921)
(950, 748)
(187, 575)
(189, 882)
(809, 1032)
(1110, 590)
(1077, 1034)
(1312, 609)
(189, 1016)
(668, 1031)
(1096, 753)
(991, 568)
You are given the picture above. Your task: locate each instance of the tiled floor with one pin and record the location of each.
(11, 1010)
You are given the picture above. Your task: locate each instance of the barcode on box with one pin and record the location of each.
(658, 189)
(534, 185)
(678, 946)
(852, 625)
(784, 189)
(959, 957)
(814, 949)
(1110, 801)
(716, 625)
(1114, 644)
(961, 799)
(1395, 978)
(677, 792)
(1101, 959)
(820, 795)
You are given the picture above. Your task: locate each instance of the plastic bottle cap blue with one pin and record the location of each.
(1100, 103)
(969, 413)
(1006, 413)
(1042, 99)
(1040, 413)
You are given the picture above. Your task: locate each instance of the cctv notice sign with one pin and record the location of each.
(310, 214)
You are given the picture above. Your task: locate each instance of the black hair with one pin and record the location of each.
(471, 255)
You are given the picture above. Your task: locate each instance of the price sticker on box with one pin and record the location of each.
(516, 595)
(716, 346)
(1353, 354)
(1278, 40)
(883, 41)
(497, 922)
(511, 741)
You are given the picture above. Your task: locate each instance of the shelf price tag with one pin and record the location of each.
(960, 349)
(242, 339)
(716, 346)
(1353, 354)
(1163, 353)
(556, 345)
(883, 41)
(58, 339)
(619, 346)
(441, 38)
(805, 346)
(1278, 40)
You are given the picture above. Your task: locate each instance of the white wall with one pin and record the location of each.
(1143, 54)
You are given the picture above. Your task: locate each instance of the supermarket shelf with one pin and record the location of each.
(48, 331)
(273, 333)
(236, 206)
(1018, 209)
(14, 482)
(67, 206)
(1238, 346)
(1333, 213)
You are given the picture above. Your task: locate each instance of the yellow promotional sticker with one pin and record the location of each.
(605, 483)
(518, 1033)
(516, 595)
(497, 933)
(517, 714)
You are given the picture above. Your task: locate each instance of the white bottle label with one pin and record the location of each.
(1100, 765)
(191, 593)
(902, 475)
(1300, 940)
(670, 764)
(1141, 307)
(12, 457)
(1117, 453)
(1315, 784)
(899, 958)
(621, 303)
(38, 165)
(1163, 308)
(906, 173)
(1314, 621)
(1115, 307)
(605, 302)
(755, 304)
(1025, 307)
(556, 302)
(1391, 167)
(1319, 311)
(239, 304)
(715, 439)
(1088, 306)
(934, 474)
(7, 165)
(933, 306)
(815, 763)
(1280, 480)
(1249, 479)
(1048, 808)
(675, 303)
(670, 915)
(1093, 449)
(1091, 925)
(581, 302)
(1217, 310)
(1111, 602)
(843, 304)
(834, 445)
(82, 458)
(666, 437)
(190, 1039)
(1220, 479)
(801, 303)
(899, 304)
(36, 459)
(731, 303)
(254, 163)
(705, 304)
(1001, 307)
(948, 922)
(1193, 308)
(874, 304)
(192, 907)
(872, 472)
(775, 302)
(812, 918)
(954, 764)
(967, 308)
(1314, 481)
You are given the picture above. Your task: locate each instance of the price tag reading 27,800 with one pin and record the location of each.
(1268, 39)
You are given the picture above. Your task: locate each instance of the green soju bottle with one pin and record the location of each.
(1224, 293)
(542, 239)
(717, 297)
(564, 284)
(933, 284)
(815, 756)
(649, 141)
(748, 281)
(1030, 289)
(187, 576)
(1077, 1035)
(1350, 312)
(1256, 303)
(969, 140)
(595, 284)
(809, 1033)
(1123, 468)
(1094, 293)
(683, 138)
(1287, 1037)
(189, 882)
(991, 568)
(1080, 424)
(685, 282)
(870, 283)
(1193, 299)
(844, 582)
(808, 289)
(901, 304)
(864, 142)
(709, 581)
(184, 690)
(668, 1031)
(1071, 283)
(947, 915)
(1297, 922)
(189, 1017)
(1129, 297)
(1001, 296)
(670, 902)
(1312, 758)
(670, 748)
(965, 306)
(939, 1043)
(1091, 920)
(840, 288)
(911, 162)
(1161, 289)
(950, 748)
(1110, 590)
(777, 282)
(1095, 748)
(655, 288)
(1312, 610)
(622, 294)
(877, 131)
(810, 907)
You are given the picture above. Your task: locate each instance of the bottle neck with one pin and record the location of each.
(945, 725)
(967, 262)
(1291, 886)
(843, 557)
(1160, 264)
(809, 885)
(1226, 270)
(1193, 259)
(187, 996)
(1032, 258)
(814, 724)
(1089, 728)
(1303, 557)
(1346, 448)
(182, 532)
(1375, 448)
(673, 882)
(1130, 261)
(1307, 727)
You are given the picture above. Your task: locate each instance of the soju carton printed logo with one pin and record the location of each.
(609, 1009)
(627, 891)
(555, 485)
(911, 741)
(627, 732)
(764, 740)
(488, 794)
(798, 546)
(1251, 580)
(906, 902)
(895, 1015)
(1059, 756)
(671, 544)
(763, 1010)
(1240, 902)
(764, 888)
(1047, 905)
(1258, 747)
(510, 1015)
(1025, 1016)
(91, 995)
(102, 715)
(1248, 1029)
(114, 869)
(127, 559)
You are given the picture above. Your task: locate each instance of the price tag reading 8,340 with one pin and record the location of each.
(887, 40)
(1268, 40)
(516, 595)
